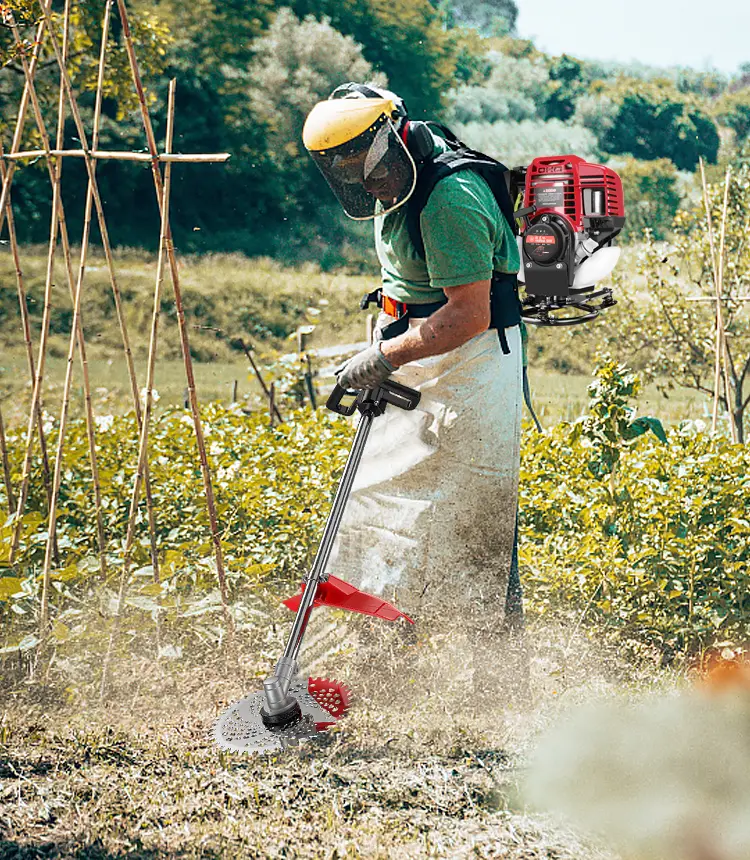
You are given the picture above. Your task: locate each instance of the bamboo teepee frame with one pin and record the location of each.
(54, 158)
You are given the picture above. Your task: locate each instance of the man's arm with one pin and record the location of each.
(466, 314)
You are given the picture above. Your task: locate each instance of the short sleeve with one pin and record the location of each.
(459, 226)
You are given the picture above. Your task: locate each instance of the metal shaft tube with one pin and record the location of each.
(326, 543)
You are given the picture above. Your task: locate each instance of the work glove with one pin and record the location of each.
(367, 369)
(381, 322)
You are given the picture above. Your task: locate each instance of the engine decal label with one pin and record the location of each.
(549, 196)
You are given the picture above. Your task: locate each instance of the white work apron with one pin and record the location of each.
(430, 520)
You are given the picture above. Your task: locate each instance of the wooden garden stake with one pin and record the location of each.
(6, 468)
(271, 403)
(184, 339)
(309, 382)
(722, 339)
(58, 220)
(148, 405)
(26, 326)
(260, 379)
(76, 335)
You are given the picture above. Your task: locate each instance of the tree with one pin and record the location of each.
(489, 17)
(733, 109)
(651, 196)
(404, 39)
(663, 327)
(298, 63)
(653, 120)
(570, 80)
(514, 90)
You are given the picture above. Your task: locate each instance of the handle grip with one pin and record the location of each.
(337, 395)
(388, 392)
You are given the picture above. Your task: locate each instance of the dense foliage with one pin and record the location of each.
(637, 530)
(273, 490)
(642, 531)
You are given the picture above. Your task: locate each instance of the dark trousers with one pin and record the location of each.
(514, 597)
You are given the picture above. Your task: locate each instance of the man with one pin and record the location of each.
(432, 513)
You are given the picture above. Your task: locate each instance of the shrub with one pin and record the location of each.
(651, 196)
(642, 532)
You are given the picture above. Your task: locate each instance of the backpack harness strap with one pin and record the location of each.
(505, 308)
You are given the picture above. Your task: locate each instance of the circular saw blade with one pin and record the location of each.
(322, 701)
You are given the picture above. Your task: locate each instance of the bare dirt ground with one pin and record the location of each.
(421, 767)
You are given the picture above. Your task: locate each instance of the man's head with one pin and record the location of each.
(355, 139)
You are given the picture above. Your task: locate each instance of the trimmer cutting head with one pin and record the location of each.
(322, 703)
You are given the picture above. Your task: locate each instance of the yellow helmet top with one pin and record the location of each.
(336, 121)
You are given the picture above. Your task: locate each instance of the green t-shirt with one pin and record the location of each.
(465, 237)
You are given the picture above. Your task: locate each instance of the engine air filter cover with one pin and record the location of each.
(544, 243)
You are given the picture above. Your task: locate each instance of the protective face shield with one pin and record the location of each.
(357, 148)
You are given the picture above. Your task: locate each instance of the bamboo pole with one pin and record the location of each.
(143, 442)
(7, 19)
(116, 292)
(719, 329)
(259, 377)
(76, 334)
(93, 193)
(184, 339)
(26, 326)
(58, 221)
(93, 190)
(34, 412)
(6, 468)
(719, 313)
(109, 155)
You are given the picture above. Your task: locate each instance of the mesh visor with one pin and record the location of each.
(370, 175)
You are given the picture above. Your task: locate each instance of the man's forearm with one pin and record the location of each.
(448, 328)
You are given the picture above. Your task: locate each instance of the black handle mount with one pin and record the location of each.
(373, 400)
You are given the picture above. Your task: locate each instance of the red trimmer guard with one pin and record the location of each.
(338, 593)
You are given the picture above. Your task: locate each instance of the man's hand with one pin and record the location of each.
(367, 369)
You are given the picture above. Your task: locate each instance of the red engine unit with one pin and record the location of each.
(571, 187)
(571, 209)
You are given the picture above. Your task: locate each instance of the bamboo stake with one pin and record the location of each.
(718, 333)
(143, 443)
(59, 220)
(7, 18)
(6, 468)
(116, 293)
(719, 313)
(109, 155)
(74, 337)
(184, 339)
(34, 413)
(259, 377)
(93, 192)
(26, 325)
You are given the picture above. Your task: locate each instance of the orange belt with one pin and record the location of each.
(392, 307)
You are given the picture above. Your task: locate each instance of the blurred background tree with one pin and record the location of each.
(652, 192)
(249, 71)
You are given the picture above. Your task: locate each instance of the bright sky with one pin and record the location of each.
(701, 34)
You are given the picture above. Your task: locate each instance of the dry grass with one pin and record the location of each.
(418, 769)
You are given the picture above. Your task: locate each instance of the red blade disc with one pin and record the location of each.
(332, 696)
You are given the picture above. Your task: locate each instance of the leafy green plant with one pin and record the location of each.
(273, 489)
(659, 554)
